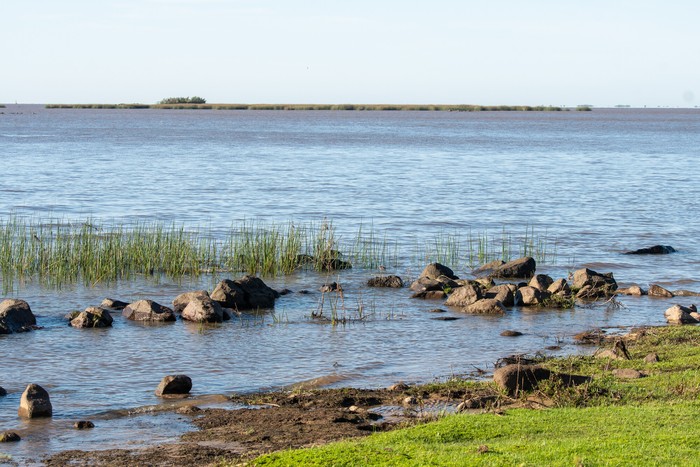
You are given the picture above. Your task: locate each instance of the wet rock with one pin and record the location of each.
(445, 318)
(685, 293)
(626, 373)
(181, 301)
(430, 295)
(488, 268)
(246, 293)
(283, 292)
(394, 282)
(83, 425)
(484, 282)
(485, 306)
(148, 310)
(188, 410)
(16, 316)
(92, 317)
(559, 287)
(541, 282)
(435, 270)
(174, 384)
(424, 284)
(633, 290)
(332, 287)
(659, 292)
(35, 402)
(203, 310)
(679, 314)
(653, 250)
(504, 293)
(464, 296)
(9, 437)
(437, 310)
(521, 267)
(652, 358)
(592, 285)
(529, 296)
(113, 304)
(509, 333)
(2, 391)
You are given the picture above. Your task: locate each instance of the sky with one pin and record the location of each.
(495, 52)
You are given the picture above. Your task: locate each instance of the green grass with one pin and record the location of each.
(648, 421)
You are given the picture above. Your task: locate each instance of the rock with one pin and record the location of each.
(685, 293)
(35, 402)
(83, 425)
(2, 391)
(437, 310)
(409, 401)
(522, 267)
(435, 270)
(653, 250)
(181, 301)
(394, 282)
(464, 296)
(485, 306)
(424, 284)
(92, 317)
(529, 296)
(541, 282)
(203, 310)
(446, 318)
(514, 378)
(174, 384)
(634, 290)
(9, 437)
(484, 282)
(509, 333)
(504, 293)
(332, 287)
(593, 285)
(398, 387)
(148, 310)
(659, 292)
(678, 314)
(488, 268)
(626, 373)
(652, 358)
(246, 293)
(188, 410)
(16, 316)
(559, 287)
(113, 304)
(430, 295)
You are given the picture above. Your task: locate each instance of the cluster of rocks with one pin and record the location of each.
(483, 295)
(656, 291)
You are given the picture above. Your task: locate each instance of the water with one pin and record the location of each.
(593, 183)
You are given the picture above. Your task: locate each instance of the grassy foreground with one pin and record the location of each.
(610, 421)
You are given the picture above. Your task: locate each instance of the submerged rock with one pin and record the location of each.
(174, 384)
(246, 293)
(653, 250)
(16, 316)
(510, 333)
(148, 310)
(92, 317)
(394, 282)
(113, 304)
(83, 425)
(35, 402)
(2, 391)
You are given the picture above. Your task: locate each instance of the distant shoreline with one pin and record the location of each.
(356, 107)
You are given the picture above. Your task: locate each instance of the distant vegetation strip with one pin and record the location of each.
(366, 107)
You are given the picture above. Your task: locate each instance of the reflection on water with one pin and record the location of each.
(598, 183)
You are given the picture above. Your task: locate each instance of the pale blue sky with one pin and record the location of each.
(440, 51)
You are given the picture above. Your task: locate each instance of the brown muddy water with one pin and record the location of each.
(595, 184)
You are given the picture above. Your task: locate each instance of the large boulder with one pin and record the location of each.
(394, 282)
(659, 292)
(3, 392)
(679, 314)
(653, 250)
(485, 306)
(435, 270)
(174, 384)
(464, 296)
(182, 300)
(559, 287)
(35, 402)
(246, 293)
(518, 268)
(92, 317)
(541, 282)
(148, 310)
(16, 316)
(529, 296)
(593, 285)
(504, 293)
(203, 310)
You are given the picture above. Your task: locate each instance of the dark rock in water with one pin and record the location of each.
(430, 295)
(394, 282)
(304, 292)
(181, 301)
(16, 316)
(685, 293)
(659, 292)
(332, 287)
(521, 267)
(445, 318)
(653, 250)
(203, 310)
(9, 437)
(246, 293)
(592, 285)
(283, 292)
(83, 425)
(113, 304)
(148, 310)
(488, 268)
(92, 317)
(174, 384)
(2, 391)
(464, 296)
(504, 293)
(435, 270)
(437, 310)
(35, 402)
(509, 333)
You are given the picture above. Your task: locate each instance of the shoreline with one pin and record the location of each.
(327, 107)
